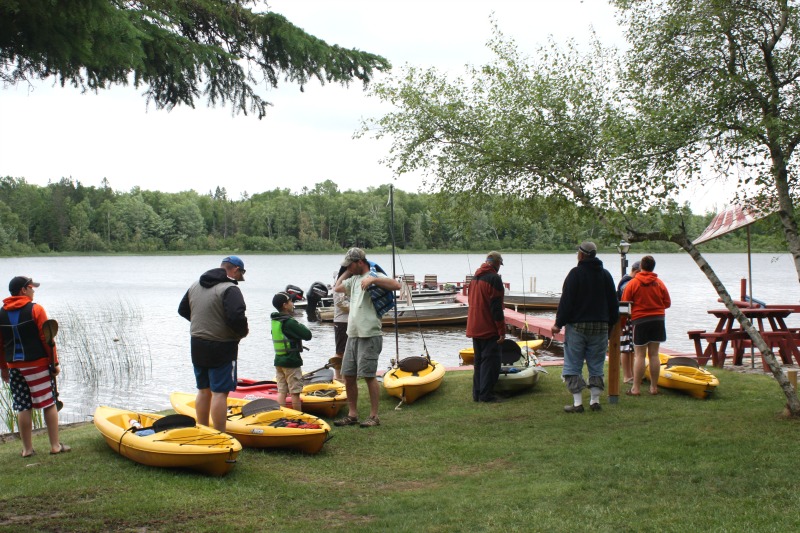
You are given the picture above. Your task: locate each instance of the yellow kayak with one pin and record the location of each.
(467, 355)
(271, 427)
(167, 441)
(321, 399)
(410, 383)
(684, 374)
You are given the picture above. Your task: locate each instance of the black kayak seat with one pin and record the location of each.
(173, 422)
(413, 364)
(261, 405)
(323, 375)
(682, 361)
(510, 352)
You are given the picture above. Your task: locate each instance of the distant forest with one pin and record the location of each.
(68, 217)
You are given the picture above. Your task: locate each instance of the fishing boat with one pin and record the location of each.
(321, 396)
(684, 374)
(172, 441)
(263, 423)
(434, 314)
(542, 301)
(413, 378)
(418, 295)
(520, 368)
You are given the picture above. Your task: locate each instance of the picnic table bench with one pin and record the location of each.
(770, 323)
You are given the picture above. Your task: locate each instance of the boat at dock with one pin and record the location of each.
(532, 300)
(434, 314)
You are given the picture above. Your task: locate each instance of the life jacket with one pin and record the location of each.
(21, 340)
(382, 299)
(282, 344)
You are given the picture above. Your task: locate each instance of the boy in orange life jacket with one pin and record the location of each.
(25, 360)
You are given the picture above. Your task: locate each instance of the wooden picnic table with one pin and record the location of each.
(771, 324)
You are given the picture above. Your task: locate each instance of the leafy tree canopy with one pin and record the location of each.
(717, 82)
(180, 50)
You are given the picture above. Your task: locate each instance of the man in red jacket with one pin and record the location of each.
(486, 326)
(25, 360)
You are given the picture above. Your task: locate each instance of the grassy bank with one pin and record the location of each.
(663, 463)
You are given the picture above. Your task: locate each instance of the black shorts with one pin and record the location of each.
(340, 334)
(650, 331)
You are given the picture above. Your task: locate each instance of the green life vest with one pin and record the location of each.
(283, 345)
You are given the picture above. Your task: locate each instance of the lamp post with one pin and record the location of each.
(623, 248)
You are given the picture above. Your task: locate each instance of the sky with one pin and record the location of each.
(48, 132)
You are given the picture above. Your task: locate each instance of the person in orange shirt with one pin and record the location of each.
(649, 299)
(25, 363)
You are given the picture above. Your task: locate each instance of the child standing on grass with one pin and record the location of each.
(287, 339)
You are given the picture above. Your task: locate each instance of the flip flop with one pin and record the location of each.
(629, 393)
(653, 393)
(63, 448)
(33, 452)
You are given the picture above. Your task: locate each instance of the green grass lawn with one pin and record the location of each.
(653, 463)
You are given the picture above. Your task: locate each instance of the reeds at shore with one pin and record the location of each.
(102, 342)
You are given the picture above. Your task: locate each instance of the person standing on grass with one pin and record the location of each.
(341, 312)
(649, 299)
(626, 333)
(588, 309)
(29, 364)
(287, 339)
(486, 326)
(215, 307)
(364, 335)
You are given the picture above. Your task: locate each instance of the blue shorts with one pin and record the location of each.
(219, 379)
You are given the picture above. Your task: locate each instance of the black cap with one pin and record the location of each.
(20, 282)
(279, 300)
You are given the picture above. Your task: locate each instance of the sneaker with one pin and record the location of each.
(493, 399)
(595, 407)
(573, 408)
(346, 421)
(371, 422)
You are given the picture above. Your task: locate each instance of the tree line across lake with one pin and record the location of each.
(66, 216)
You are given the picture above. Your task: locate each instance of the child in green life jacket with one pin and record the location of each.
(287, 339)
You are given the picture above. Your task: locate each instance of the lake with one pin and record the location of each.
(128, 305)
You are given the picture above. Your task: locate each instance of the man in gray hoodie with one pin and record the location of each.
(215, 307)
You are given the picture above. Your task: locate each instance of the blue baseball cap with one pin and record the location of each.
(235, 261)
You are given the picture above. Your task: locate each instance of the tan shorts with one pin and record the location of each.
(290, 380)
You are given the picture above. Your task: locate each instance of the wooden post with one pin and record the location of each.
(614, 355)
(613, 364)
(792, 375)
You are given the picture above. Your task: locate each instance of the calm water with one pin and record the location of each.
(150, 288)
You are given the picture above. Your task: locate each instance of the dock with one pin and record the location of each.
(524, 325)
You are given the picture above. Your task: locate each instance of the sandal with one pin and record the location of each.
(63, 448)
(25, 456)
(631, 393)
(346, 421)
(371, 422)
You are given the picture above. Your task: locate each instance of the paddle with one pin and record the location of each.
(50, 330)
